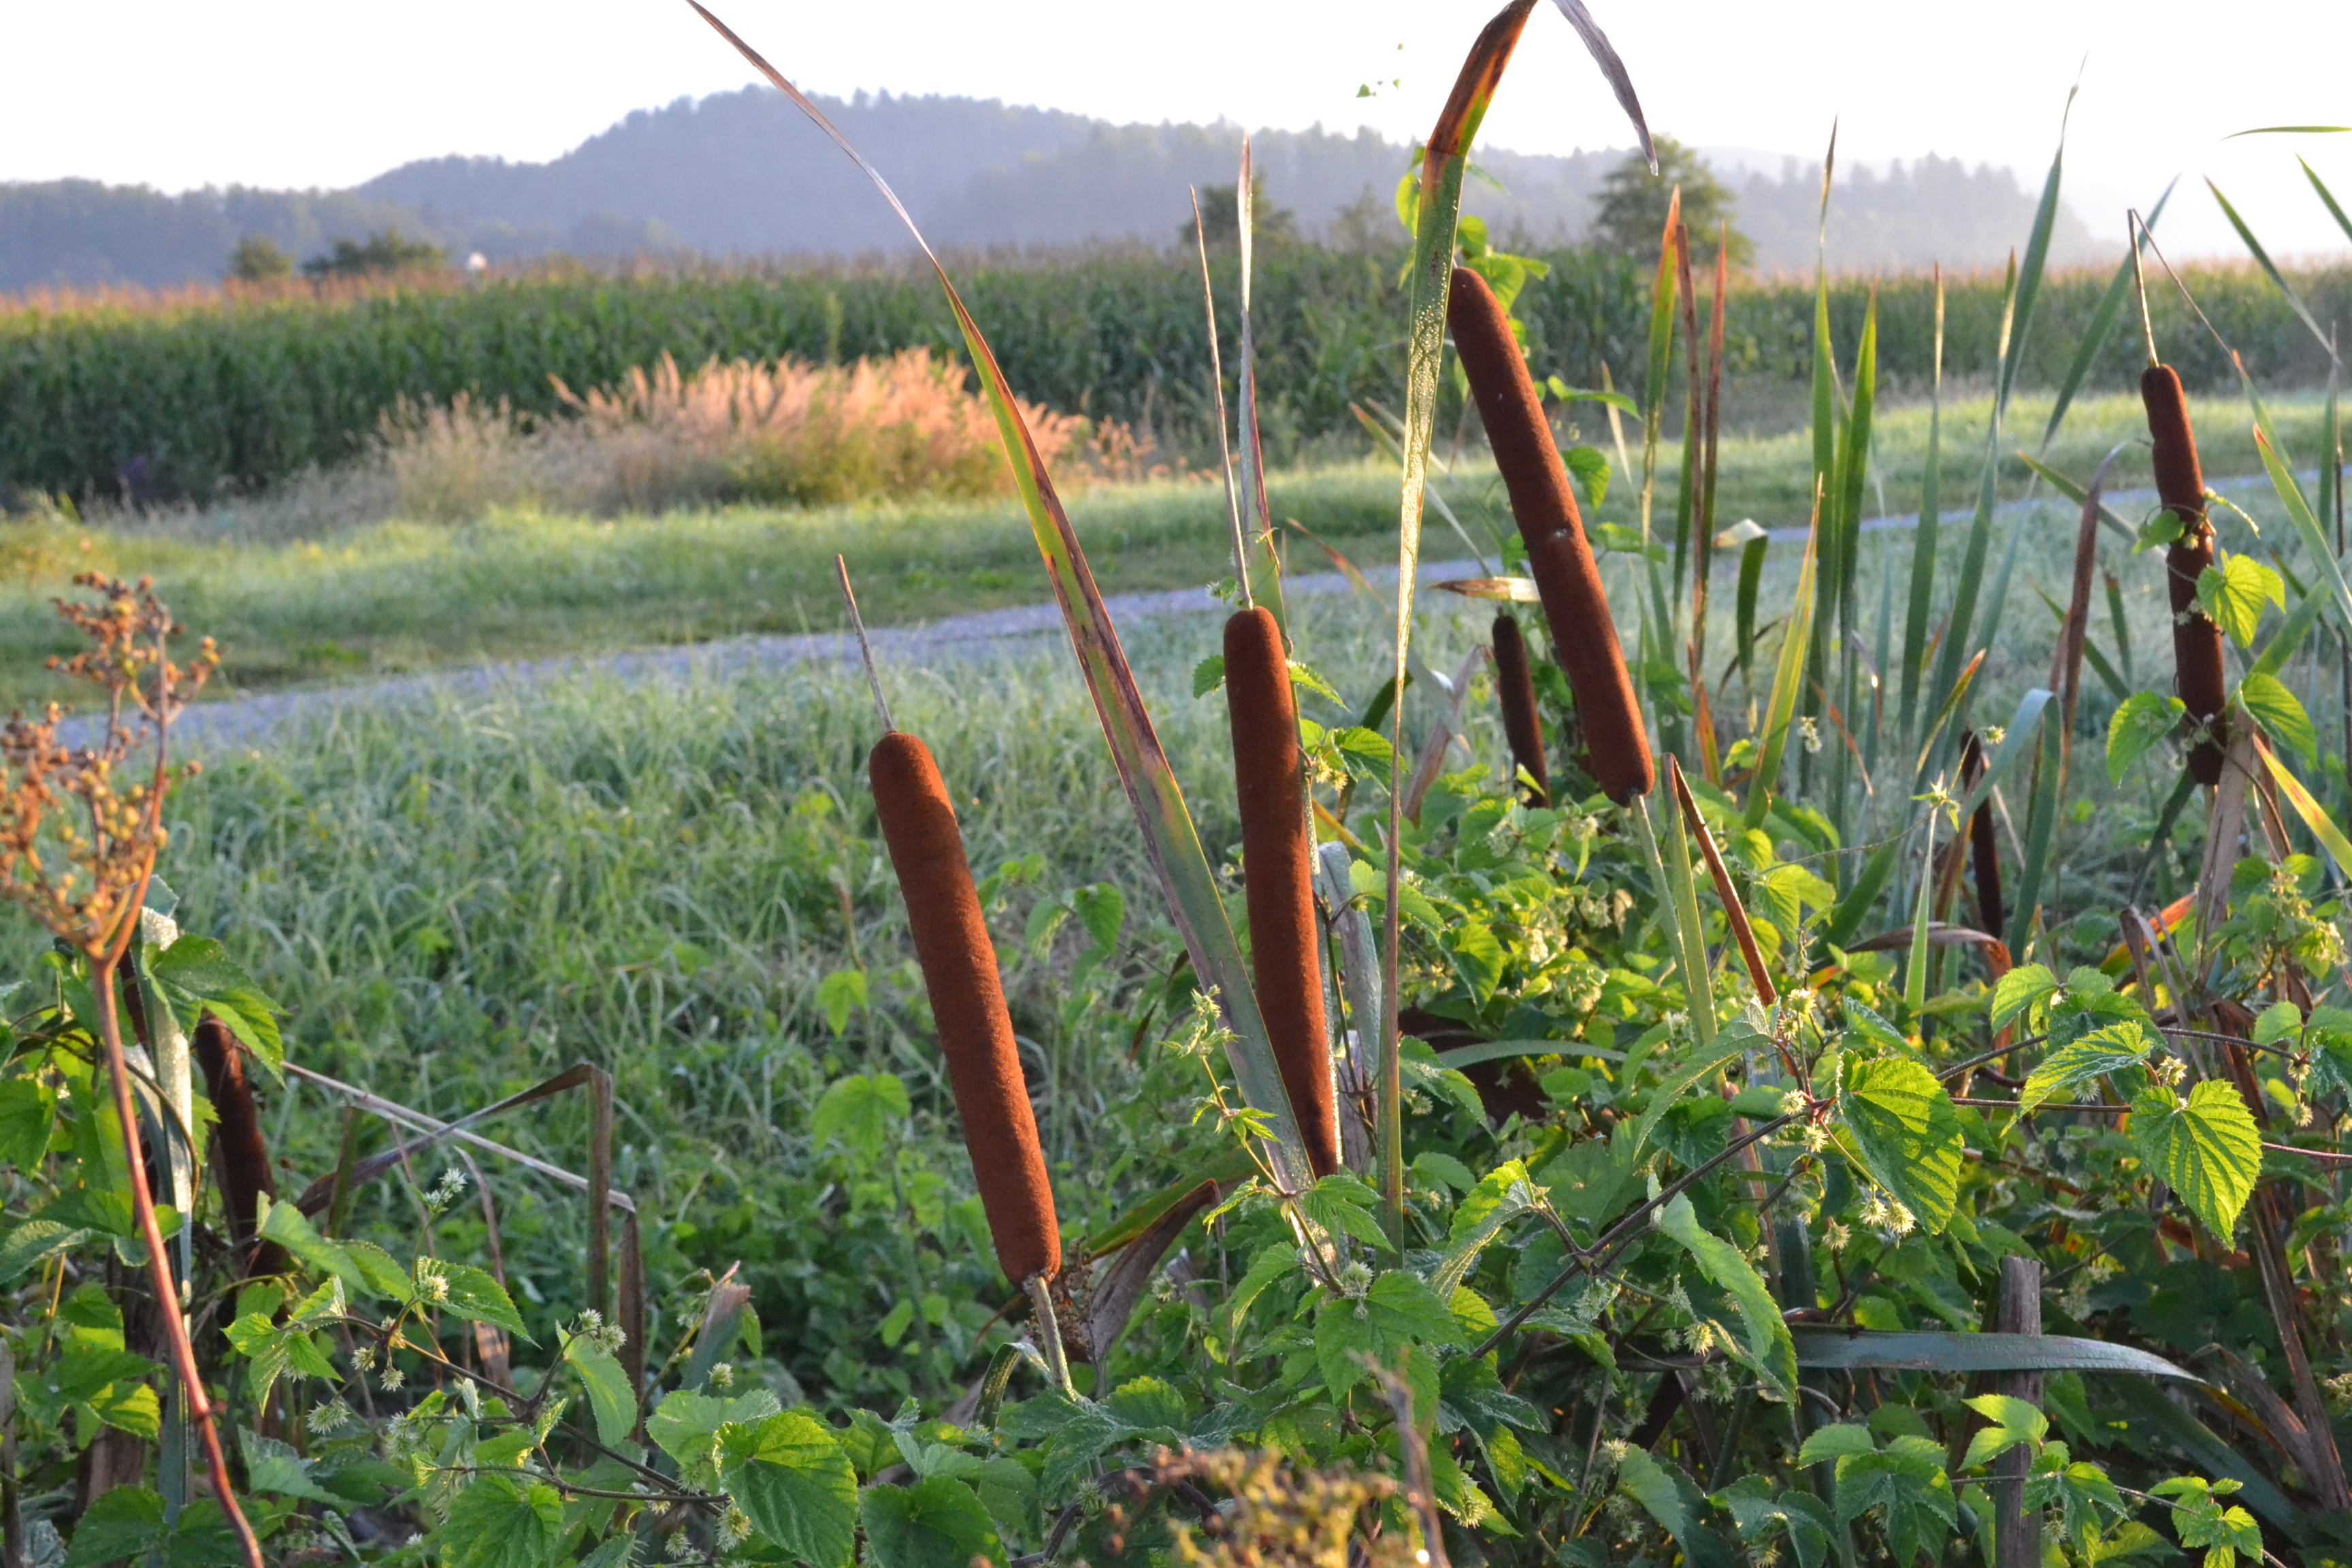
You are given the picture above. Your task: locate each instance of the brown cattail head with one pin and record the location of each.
(2196, 640)
(1515, 690)
(968, 1001)
(240, 1154)
(1984, 851)
(1583, 637)
(1278, 875)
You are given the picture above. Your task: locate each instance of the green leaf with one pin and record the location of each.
(28, 1109)
(475, 1294)
(1908, 1133)
(503, 1521)
(2014, 1423)
(1345, 1207)
(2019, 989)
(685, 1423)
(1208, 675)
(291, 1229)
(1645, 1481)
(936, 1523)
(196, 975)
(2234, 592)
(789, 1475)
(607, 1381)
(2140, 724)
(2086, 1058)
(1270, 1264)
(2280, 713)
(274, 1467)
(859, 1112)
(122, 1524)
(1591, 467)
(839, 995)
(1835, 1443)
(1770, 1350)
(2207, 1149)
(28, 1245)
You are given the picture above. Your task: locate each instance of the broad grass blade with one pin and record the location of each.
(2102, 323)
(1170, 838)
(1858, 1350)
(1444, 159)
(1923, 538)
(2326, 196)
(2037, 253)
(1217, 390)
(1962, 623)
(1258, 517)
(2013, 742)
(1788, 677)
(1605, 55)
(2314, 539)
(1952, 704)
(2041, 829)
(2306, 805)
(1678, 891)
(1854, 461)
(2263, 259)
(2057, 479)
(1734, 912)
(1658, 624)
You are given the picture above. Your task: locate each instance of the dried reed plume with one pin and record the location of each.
(1514, 691)
(1567, 579)
(958, 964)
(2196, 640)
(1278, 873)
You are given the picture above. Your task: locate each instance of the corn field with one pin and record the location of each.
(195, 394)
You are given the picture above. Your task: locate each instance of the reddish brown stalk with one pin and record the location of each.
(1567, 579)
(1278, 874)
(240, 1152)
(1514, 691)
(2196, 640)
(959, 965)
(1734, 913)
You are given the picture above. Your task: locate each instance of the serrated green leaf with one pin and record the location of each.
(2086, 1059)
(935, 1523)
(1208, 675)
(28, 1109)
(28, 1245)
(503, 1521)
(2280, 713)
(2234, 592)
(2141, 723)
(1835, 1443)
(2020, 989)
(789, 1475)
(475, 1294)
(1770, 1350)
(2207, 1149)
(1908, 1133)
(610, 1398)
(2015, 1422)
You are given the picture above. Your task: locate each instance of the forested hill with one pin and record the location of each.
(741, 173)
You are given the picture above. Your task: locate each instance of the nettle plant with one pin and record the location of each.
(1567, 1172)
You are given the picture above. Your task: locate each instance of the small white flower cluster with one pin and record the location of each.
(1810, 728)
(1838, 1235)
(722, 1376)
(734, 1529)
(1354, 1279)
(2340, 1391)
(328, 1417)
(2168, 1070)
(593, 1328)
(445, 1192)
(432, 1283)
(1884, 1213)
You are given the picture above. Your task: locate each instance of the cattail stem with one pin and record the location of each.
(240, 1152)
(1514, 691)
(2197, 669)
(959, 965)
(1560, 558)
(1278, 874)
(1984, 849)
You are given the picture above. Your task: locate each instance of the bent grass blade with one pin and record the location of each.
(1170, 839)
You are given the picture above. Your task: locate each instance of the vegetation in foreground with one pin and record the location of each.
(1736, 1142)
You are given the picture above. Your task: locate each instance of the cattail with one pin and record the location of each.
(1278, 873)
(2196, 640)
(968, 1001)
(1515, 688)
(1583, 637)
(1983, 852)
(240, 1154)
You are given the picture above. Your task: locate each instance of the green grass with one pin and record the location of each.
(403, 596)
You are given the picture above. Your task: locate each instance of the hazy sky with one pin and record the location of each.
(276, 93)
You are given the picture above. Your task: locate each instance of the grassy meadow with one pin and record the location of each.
(297, 591)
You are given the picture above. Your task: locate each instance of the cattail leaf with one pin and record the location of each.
(2102, 322)
(1857, 1349)
(1170, 840)
(2306, 805)
(1788, 677)
(2270, 268)
(1908, 1135)
(2206, 1148)
(2298, 510)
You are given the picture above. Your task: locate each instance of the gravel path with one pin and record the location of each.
(244, 721)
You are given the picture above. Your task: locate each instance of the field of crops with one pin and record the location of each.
(196, 396)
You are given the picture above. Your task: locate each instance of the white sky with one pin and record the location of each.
(272, 92)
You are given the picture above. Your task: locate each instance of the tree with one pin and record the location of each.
(1630, 213)
(258, 259)
(390, 251)
(1221, 216)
